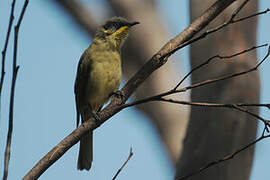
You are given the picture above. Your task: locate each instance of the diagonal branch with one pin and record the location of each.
(216, 57)
(225, 158)
(237, 106)
(209, 81)
(116, 104)
(225, 77)
(213, 30)
(251, 16)
(124, 164)
(216, 105)
(14, 77)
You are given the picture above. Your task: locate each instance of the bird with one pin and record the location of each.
(99, 75)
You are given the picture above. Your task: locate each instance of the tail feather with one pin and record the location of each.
(86, 152)
(86, 146)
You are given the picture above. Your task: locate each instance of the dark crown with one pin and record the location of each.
(117, 22)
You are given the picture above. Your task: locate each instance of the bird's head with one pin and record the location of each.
(116, 30)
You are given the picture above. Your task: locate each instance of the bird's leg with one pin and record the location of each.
(118, 94)
(92, 113)
(96, 117)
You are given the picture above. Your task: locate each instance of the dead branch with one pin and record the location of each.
(225, 158)
(124, 164)
(11, 18)
(209, 81)
(236, 106)
(14, 77)
(116, 104)
(220, 57)
(213, 30)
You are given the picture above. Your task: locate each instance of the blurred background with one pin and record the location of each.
(53, 36)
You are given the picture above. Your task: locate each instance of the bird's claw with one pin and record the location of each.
(96, 117)
(119, 94)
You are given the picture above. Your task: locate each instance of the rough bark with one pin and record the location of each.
(214, 133)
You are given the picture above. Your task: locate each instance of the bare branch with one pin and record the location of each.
(225, 158)
(224, 77)
(237, 106)
(14, 77)
(216, 105)
(215, 57)
(209, 81)
(237, 11)
(124, 164)
(116, 104)
(251, 16)
(213, 30)
(11, 18)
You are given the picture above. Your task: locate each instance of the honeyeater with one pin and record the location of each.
(98, 76)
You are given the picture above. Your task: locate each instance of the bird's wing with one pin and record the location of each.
(81, 83)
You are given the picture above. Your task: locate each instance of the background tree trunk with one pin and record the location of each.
(214, 133)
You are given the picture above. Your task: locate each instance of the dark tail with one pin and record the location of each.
(86, 152)
(86, 146)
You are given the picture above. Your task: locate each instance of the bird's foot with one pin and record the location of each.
(96, 117)
(119, 94)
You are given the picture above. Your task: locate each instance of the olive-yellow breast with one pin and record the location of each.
(98, 76)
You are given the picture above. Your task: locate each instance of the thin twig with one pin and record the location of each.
(216, 57)
(237, 11)
(252, 15)
(11, 18)
(124, 164)
(214, 104)
(203, 83)
(225, 158)
(14, 77)
(210, 81)
(117, 104)
(213, 30)
(236, 106)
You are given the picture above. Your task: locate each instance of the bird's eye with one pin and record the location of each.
(106, 27)
(111, 27)
(115, 25)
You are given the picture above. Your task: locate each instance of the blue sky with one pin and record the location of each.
(49, 49)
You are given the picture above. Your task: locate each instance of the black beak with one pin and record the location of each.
(133, 23)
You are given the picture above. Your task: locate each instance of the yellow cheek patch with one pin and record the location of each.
(121, 30)
(107, 32)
